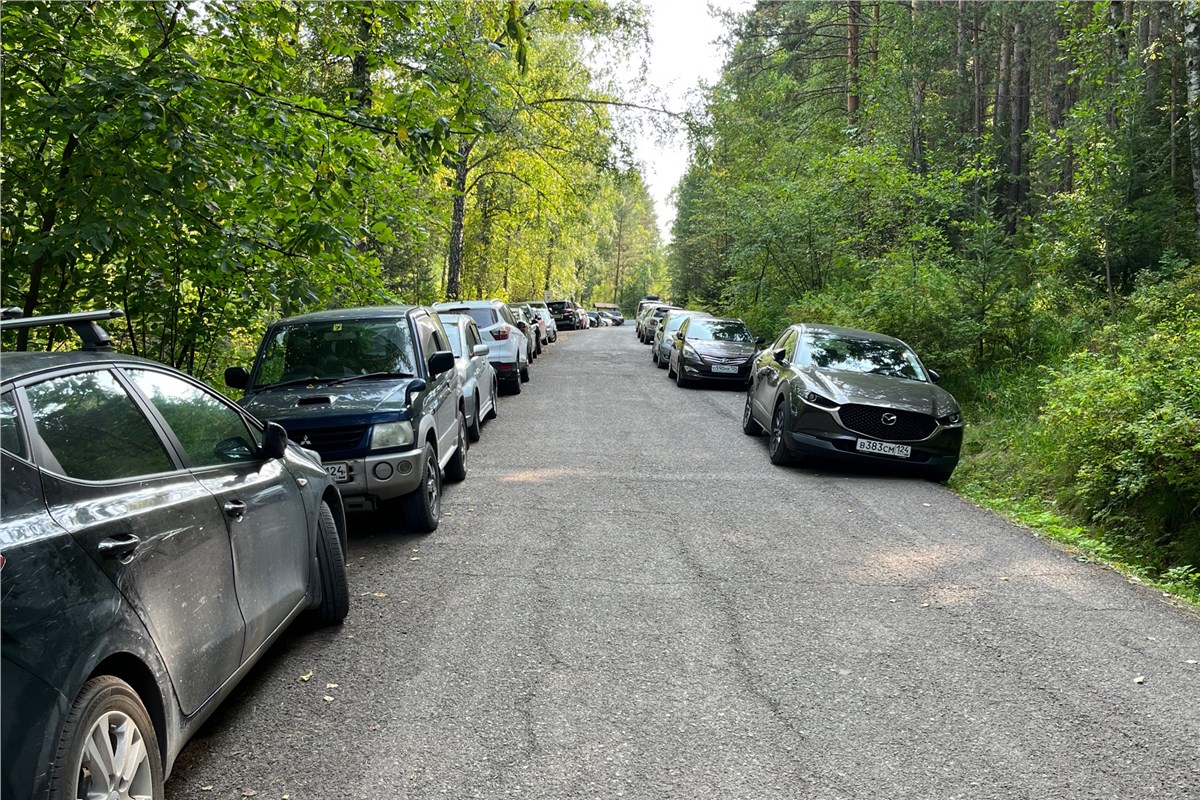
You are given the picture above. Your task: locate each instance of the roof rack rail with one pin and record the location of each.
(83, 323)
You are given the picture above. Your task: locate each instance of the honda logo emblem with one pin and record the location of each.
(888, 419)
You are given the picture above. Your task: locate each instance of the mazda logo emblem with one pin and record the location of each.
(888, 419)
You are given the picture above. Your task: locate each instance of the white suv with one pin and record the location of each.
(508, 345)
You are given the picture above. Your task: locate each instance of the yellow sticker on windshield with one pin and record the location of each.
(337, 326)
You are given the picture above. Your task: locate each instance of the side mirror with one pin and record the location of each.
(759, 341)
(933, 376)
(480, 350)
(441, 361)
(779, 355)
(414, 386)
(522, 326)
(237, 378)
(275, 440)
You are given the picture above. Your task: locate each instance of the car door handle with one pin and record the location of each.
(235, 509)
(119, 546)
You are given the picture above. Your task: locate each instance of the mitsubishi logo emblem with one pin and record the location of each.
(304, 442)
(888, 419)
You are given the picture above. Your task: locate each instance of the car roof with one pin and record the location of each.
(18, 365)
(466, 304)
(364, 312)
(808, 327)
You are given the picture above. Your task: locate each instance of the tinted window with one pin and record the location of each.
(852, 354)
(94, 430)
(473, 337)
(722, 330)
(10, 436)
(337, 349)
(210, 431)
(455, 334)
(787, 343)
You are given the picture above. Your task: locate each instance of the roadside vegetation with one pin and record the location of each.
(1009, 187)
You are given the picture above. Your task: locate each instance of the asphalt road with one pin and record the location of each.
(626, 599)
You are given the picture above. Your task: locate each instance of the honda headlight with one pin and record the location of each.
(391, 434)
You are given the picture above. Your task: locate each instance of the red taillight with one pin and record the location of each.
(501, 333)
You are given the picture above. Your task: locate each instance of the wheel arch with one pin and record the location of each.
(140, 677)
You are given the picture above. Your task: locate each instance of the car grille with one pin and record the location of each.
(868, 420)
(330, 440)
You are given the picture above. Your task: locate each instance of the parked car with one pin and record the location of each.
(508, 343)
(715, 349)
(475, 372)
(853, 396)
(156, 540)
(582, 320)
(612, 317)
(535, 329)
(564, 315)
(376, 393)
(597, 321)
(551, 326)
(650, 320)
(648, 300)
(660, 353)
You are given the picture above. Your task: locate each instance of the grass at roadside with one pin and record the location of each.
(1004, 469)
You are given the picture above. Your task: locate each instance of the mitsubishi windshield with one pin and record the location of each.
(332, 351)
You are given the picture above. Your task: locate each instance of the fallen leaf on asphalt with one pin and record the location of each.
(1192, 661)
(415, 558)
(248, 793)
(208, 788)
(306, 677)
(1140, 679)
(331, 686)
(378, 594)
(1004, 578)
(470, 510)
(1151, 638)
(328, 699)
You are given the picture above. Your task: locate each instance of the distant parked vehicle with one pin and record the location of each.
(650, 319)
(611, 311)
(660, 353)
(540, 331)
(852, 396)
(564, 315)
(551, 326)
(582, 320)
(376, 393)
(475, 372)
(508, 343)
(715, 349)
(157, 540)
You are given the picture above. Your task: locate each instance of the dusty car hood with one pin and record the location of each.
(359, 397)
(715, 349)
(880, 390)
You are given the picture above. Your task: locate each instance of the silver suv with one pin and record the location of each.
(508, 345)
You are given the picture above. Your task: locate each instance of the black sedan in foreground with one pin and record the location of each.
(156, 540)
(852, 396)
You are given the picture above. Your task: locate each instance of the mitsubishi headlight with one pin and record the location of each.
(391, 434)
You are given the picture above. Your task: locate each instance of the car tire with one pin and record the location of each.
(476, 426)
(681, 381)
(331, 561)
(939, 474)
(777, 450)
(107, 714)
(662, 363)
(670, 369)
(456, 467)
(491, 414)
(750, 426)
(525, 374)
(423, 505)
(514, 385)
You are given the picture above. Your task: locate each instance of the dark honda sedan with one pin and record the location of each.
(852, 395)
(155, 540)
(714, 349)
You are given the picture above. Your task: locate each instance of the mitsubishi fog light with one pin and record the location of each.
(391, 434)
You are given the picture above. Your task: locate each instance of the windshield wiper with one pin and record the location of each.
(371, 375)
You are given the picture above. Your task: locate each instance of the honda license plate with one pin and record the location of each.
(883, 448)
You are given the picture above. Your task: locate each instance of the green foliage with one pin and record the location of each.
(1124, 420)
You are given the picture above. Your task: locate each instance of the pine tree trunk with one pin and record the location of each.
(852, 62)
(458, 215)
(1191, 33)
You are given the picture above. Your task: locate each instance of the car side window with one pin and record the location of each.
(473, 337)
(210, 432)
(10, 434)
(787, 343)
(507, 315)
(94, 430)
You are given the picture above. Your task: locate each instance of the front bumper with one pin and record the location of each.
(376, 478)
(814, 433)
(703, 370)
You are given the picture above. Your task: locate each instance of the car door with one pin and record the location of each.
(113, 482)
(433, 339)
(264, 511)
(769, 372)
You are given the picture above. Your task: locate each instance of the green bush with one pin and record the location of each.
(1121, 425)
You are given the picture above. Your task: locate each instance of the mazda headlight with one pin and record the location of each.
(951, 420)
(391, 434)
(820, 401)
